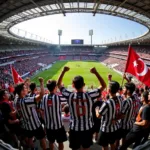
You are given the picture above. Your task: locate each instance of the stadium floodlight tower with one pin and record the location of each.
(91, 34)
(59, 34)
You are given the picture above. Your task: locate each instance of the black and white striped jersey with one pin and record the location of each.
(31, 95)
(109, 112)
(130, 108)
(26, 108)
(138, 99)
(38, 104)
(80, 106)
(51, 105)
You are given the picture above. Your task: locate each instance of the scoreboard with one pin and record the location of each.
(77, 41)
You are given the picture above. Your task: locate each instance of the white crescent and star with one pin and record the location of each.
(144, 72)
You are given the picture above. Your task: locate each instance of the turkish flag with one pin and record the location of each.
(136, 66)
(16, 77)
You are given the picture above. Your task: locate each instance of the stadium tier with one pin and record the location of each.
(28, 62)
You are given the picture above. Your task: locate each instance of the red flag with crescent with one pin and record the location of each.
(136, 66)
(16, 77)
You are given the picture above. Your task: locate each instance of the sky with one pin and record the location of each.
(77, 25)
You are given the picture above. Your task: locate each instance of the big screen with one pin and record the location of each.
(77, 41)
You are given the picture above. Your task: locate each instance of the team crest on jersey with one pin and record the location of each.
(49, 103)
(117, 107)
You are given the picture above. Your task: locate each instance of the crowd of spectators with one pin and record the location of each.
(143, 51)
(28, 63)
(80, 50)
(109, 61)
(8, 56)
(28, 60)
(118, 55)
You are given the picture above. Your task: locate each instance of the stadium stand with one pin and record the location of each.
(25, 61)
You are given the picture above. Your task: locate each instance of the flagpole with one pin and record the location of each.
(122, 80)
(12, 73)
(126, 64)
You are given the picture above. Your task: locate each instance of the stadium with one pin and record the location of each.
(30, 52)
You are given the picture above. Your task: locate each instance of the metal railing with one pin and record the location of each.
(27, 35)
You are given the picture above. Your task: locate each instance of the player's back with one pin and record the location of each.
(81, 111)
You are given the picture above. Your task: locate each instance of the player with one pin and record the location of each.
(51, 106)
(33, 93)
(97, 122)
(26, 107)
(80, 105)
(141, 126)
(129, 110)
(109, 111)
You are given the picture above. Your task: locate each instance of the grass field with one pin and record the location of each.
(77, 68)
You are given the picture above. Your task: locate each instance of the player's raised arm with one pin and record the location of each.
(40, 96)
(65, 69)
(27, 83)
(100, 79)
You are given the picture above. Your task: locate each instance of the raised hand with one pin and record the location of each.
(27, 81)
(41, 80)
(66, 69)
(93, 70)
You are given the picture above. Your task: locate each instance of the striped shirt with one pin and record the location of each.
(138, 99)
(26, 108)
(51, 105)
(109, 111)
(31, 95)
(80, 106)
(130, 110)
(38, 104)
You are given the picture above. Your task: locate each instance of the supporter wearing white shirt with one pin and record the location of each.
(6, 85)
(66, 118)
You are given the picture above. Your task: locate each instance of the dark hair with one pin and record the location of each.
(51, 84)
(120, 89)
(2, 93)
(145, 95)
(137, 90)
(32, 86)
(18, 88)
(78, 82)
(114, 87)
(130, 86)
(107, 96)
(146, 88)
(66, 109)
(141, 90)
(130, 78)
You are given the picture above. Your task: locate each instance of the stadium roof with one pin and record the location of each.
(15, 11)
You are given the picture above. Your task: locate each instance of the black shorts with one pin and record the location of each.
(123, 133)
(58, 135)
(107, 138)
(38, 133)
(96, 126)
(80, 138)
(16, 129)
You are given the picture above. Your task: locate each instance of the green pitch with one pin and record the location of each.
(78, 68)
